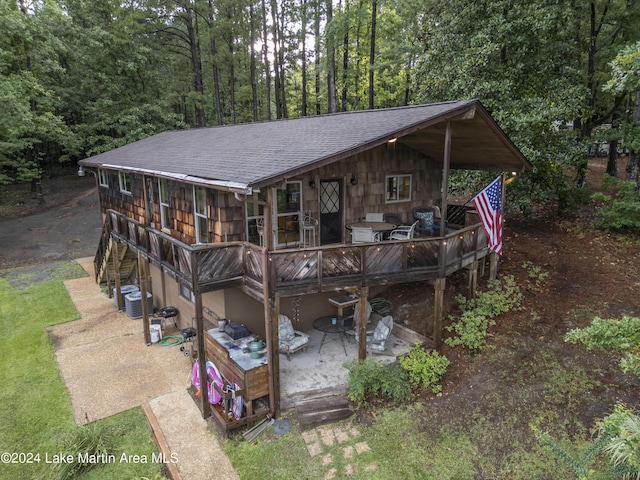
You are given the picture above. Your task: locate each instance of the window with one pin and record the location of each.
(398, 188)
(103, 177)
(289, 213)
(200, 212)
(187, 293)
(125, 182)
(255, 218)
(163, 189)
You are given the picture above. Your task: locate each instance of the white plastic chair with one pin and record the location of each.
(404, 232)
(364, 235)
(374, 217)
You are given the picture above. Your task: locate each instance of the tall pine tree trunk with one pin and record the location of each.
(303, 107)
(331, 56)
(254, 85)
(372, 53)
(214, 65)
(196, 64)
(345, 64)
(633, 165)
(276, 57)
(316, 32)
(265, 56)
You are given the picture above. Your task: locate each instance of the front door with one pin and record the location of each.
(330, 211)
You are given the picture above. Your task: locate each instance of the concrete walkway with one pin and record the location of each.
(108, 369)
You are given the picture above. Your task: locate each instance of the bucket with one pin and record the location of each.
(221, 324)
(156, 333)
(255, 348)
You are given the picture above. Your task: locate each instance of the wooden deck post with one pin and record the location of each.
(274, 357)
(142, 280)
(438, 311)
(493, 266)
(116, 269)
(205, 406)
(473, 279)
(363, 294)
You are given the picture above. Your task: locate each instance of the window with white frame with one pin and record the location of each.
(125, 182)
(255, 217)
(103, 177)
(163, 189)
(200, 212)
(398, 188)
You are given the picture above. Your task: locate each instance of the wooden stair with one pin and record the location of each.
(323, 410)
(103, 262)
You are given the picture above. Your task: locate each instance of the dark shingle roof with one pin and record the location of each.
(257, 154)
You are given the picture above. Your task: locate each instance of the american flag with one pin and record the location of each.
(488, 203)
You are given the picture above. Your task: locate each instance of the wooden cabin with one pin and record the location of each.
(210, 220)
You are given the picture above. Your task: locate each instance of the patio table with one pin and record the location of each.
(328, 327)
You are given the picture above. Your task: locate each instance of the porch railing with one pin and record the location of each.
(308, 270)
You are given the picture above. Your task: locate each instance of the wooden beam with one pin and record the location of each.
(363, 294)
(202, 361)
(473, 279)
(445, 179)
(142, 281)
(493, 266)
(116, 268)
(271, 312)
(438, 311)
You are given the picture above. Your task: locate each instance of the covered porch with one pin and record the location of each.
(320, 370)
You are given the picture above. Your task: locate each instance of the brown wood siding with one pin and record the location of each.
(226, 215)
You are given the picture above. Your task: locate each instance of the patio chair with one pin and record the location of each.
(364, 235)
(353, 319)
(290, 340)
(374, 217)
(404, 232)
(376, 342)
(309, 226)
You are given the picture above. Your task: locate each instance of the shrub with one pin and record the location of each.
(368, 377)
(424, 368)
(91, 441)
(478, 313)
(620, 210)
(622, 334)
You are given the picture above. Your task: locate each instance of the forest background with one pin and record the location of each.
(79, 77)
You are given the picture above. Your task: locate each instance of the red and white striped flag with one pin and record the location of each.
(488, 203)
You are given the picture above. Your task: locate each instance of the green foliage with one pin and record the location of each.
(536, 276)
(622, 334)
(368, 377)
(618, 438)
(93, 440)
(43, 422)
(424, 367)
(624, 448)
(621, 210)
(478, 313)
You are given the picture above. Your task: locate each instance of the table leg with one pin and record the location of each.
(322, 342)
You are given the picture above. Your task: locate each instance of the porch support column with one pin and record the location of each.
(445, 179)
(438, 311)
(271, 309)
(493, 266)
(116, 269)
(473, 279)
(142, 280)
(273, 363)
(363, 294)
(202, 360)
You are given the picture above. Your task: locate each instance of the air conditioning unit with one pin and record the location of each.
(133, 304)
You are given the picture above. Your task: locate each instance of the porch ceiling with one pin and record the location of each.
(475, 144)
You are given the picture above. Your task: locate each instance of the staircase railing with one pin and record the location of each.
(100, 261)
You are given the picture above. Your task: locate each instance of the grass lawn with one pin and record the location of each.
(35, 409)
